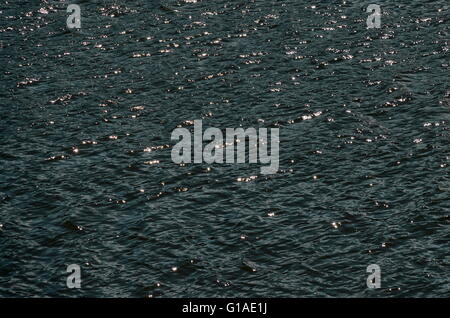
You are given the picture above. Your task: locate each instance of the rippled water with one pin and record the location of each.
(86, 174)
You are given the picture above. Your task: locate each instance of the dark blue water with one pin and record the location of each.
(86, 174)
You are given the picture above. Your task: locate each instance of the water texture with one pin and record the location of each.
(87, 178)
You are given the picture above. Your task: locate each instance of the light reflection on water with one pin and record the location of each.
(85, 149)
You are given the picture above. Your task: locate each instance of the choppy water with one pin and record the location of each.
(86, 175)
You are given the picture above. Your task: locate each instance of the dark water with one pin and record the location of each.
(86, 174)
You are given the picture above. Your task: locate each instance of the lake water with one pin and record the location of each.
(85, 151)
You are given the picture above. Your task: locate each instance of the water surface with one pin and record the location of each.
(86, 174)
